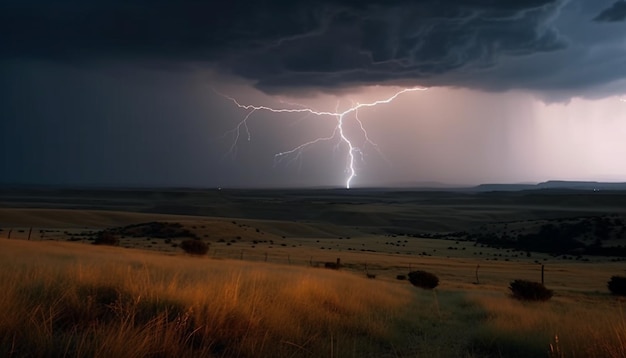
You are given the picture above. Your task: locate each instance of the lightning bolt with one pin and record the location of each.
(338, 131)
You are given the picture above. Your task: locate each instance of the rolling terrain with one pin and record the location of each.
(475, 242)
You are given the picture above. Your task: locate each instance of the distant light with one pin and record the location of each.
(338, 132)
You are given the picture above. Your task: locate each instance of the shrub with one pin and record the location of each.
(423, 279)
(401, 277)
(195, 247)
(106, 238)
(617, 285)
(530, 291)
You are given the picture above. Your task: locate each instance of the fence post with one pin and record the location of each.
(477, 280)
(30, 231)
(542, 267)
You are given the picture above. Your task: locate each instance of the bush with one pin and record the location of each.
(423, 279)
(106, 238)
(530, 291)
(401, 277)
(195, 247)
(617, 285)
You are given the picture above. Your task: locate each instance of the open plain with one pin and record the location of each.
(262, 290)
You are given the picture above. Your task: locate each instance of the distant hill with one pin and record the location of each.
(504, 187)
(585, 185)
(553, 184)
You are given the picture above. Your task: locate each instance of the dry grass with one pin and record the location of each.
(68, 299)
(573, 325)
(73, 300)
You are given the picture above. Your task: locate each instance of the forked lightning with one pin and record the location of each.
(338, 131)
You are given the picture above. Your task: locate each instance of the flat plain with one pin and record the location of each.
(273, 245)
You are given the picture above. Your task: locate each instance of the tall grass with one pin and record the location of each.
(75, 301)
(71, 300)
(579, 325)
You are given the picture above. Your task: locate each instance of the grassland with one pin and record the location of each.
(261, 291)
(67, 299)
(71, 300)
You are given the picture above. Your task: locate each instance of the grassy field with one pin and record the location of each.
(262, 289)
(74, 300)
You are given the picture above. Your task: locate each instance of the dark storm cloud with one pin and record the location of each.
(280, 44)
(617, 12)
(421, 41)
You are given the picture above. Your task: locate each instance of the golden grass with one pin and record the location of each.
(70, 300)
(574, 325)
(74, 300)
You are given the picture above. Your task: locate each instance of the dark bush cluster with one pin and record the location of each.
(106, 238)
(617, 285)
(530, 291)
(560, 236)
(423, 279)
(195, 247)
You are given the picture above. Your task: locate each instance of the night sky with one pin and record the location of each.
(135, 92)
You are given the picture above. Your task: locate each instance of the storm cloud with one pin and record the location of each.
(124, 92)
(617, 12)
(285, 45)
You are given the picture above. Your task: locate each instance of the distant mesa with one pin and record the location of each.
(547, 185)
(553, 184)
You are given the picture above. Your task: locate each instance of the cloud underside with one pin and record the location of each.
(289, 44)
(615, 13)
